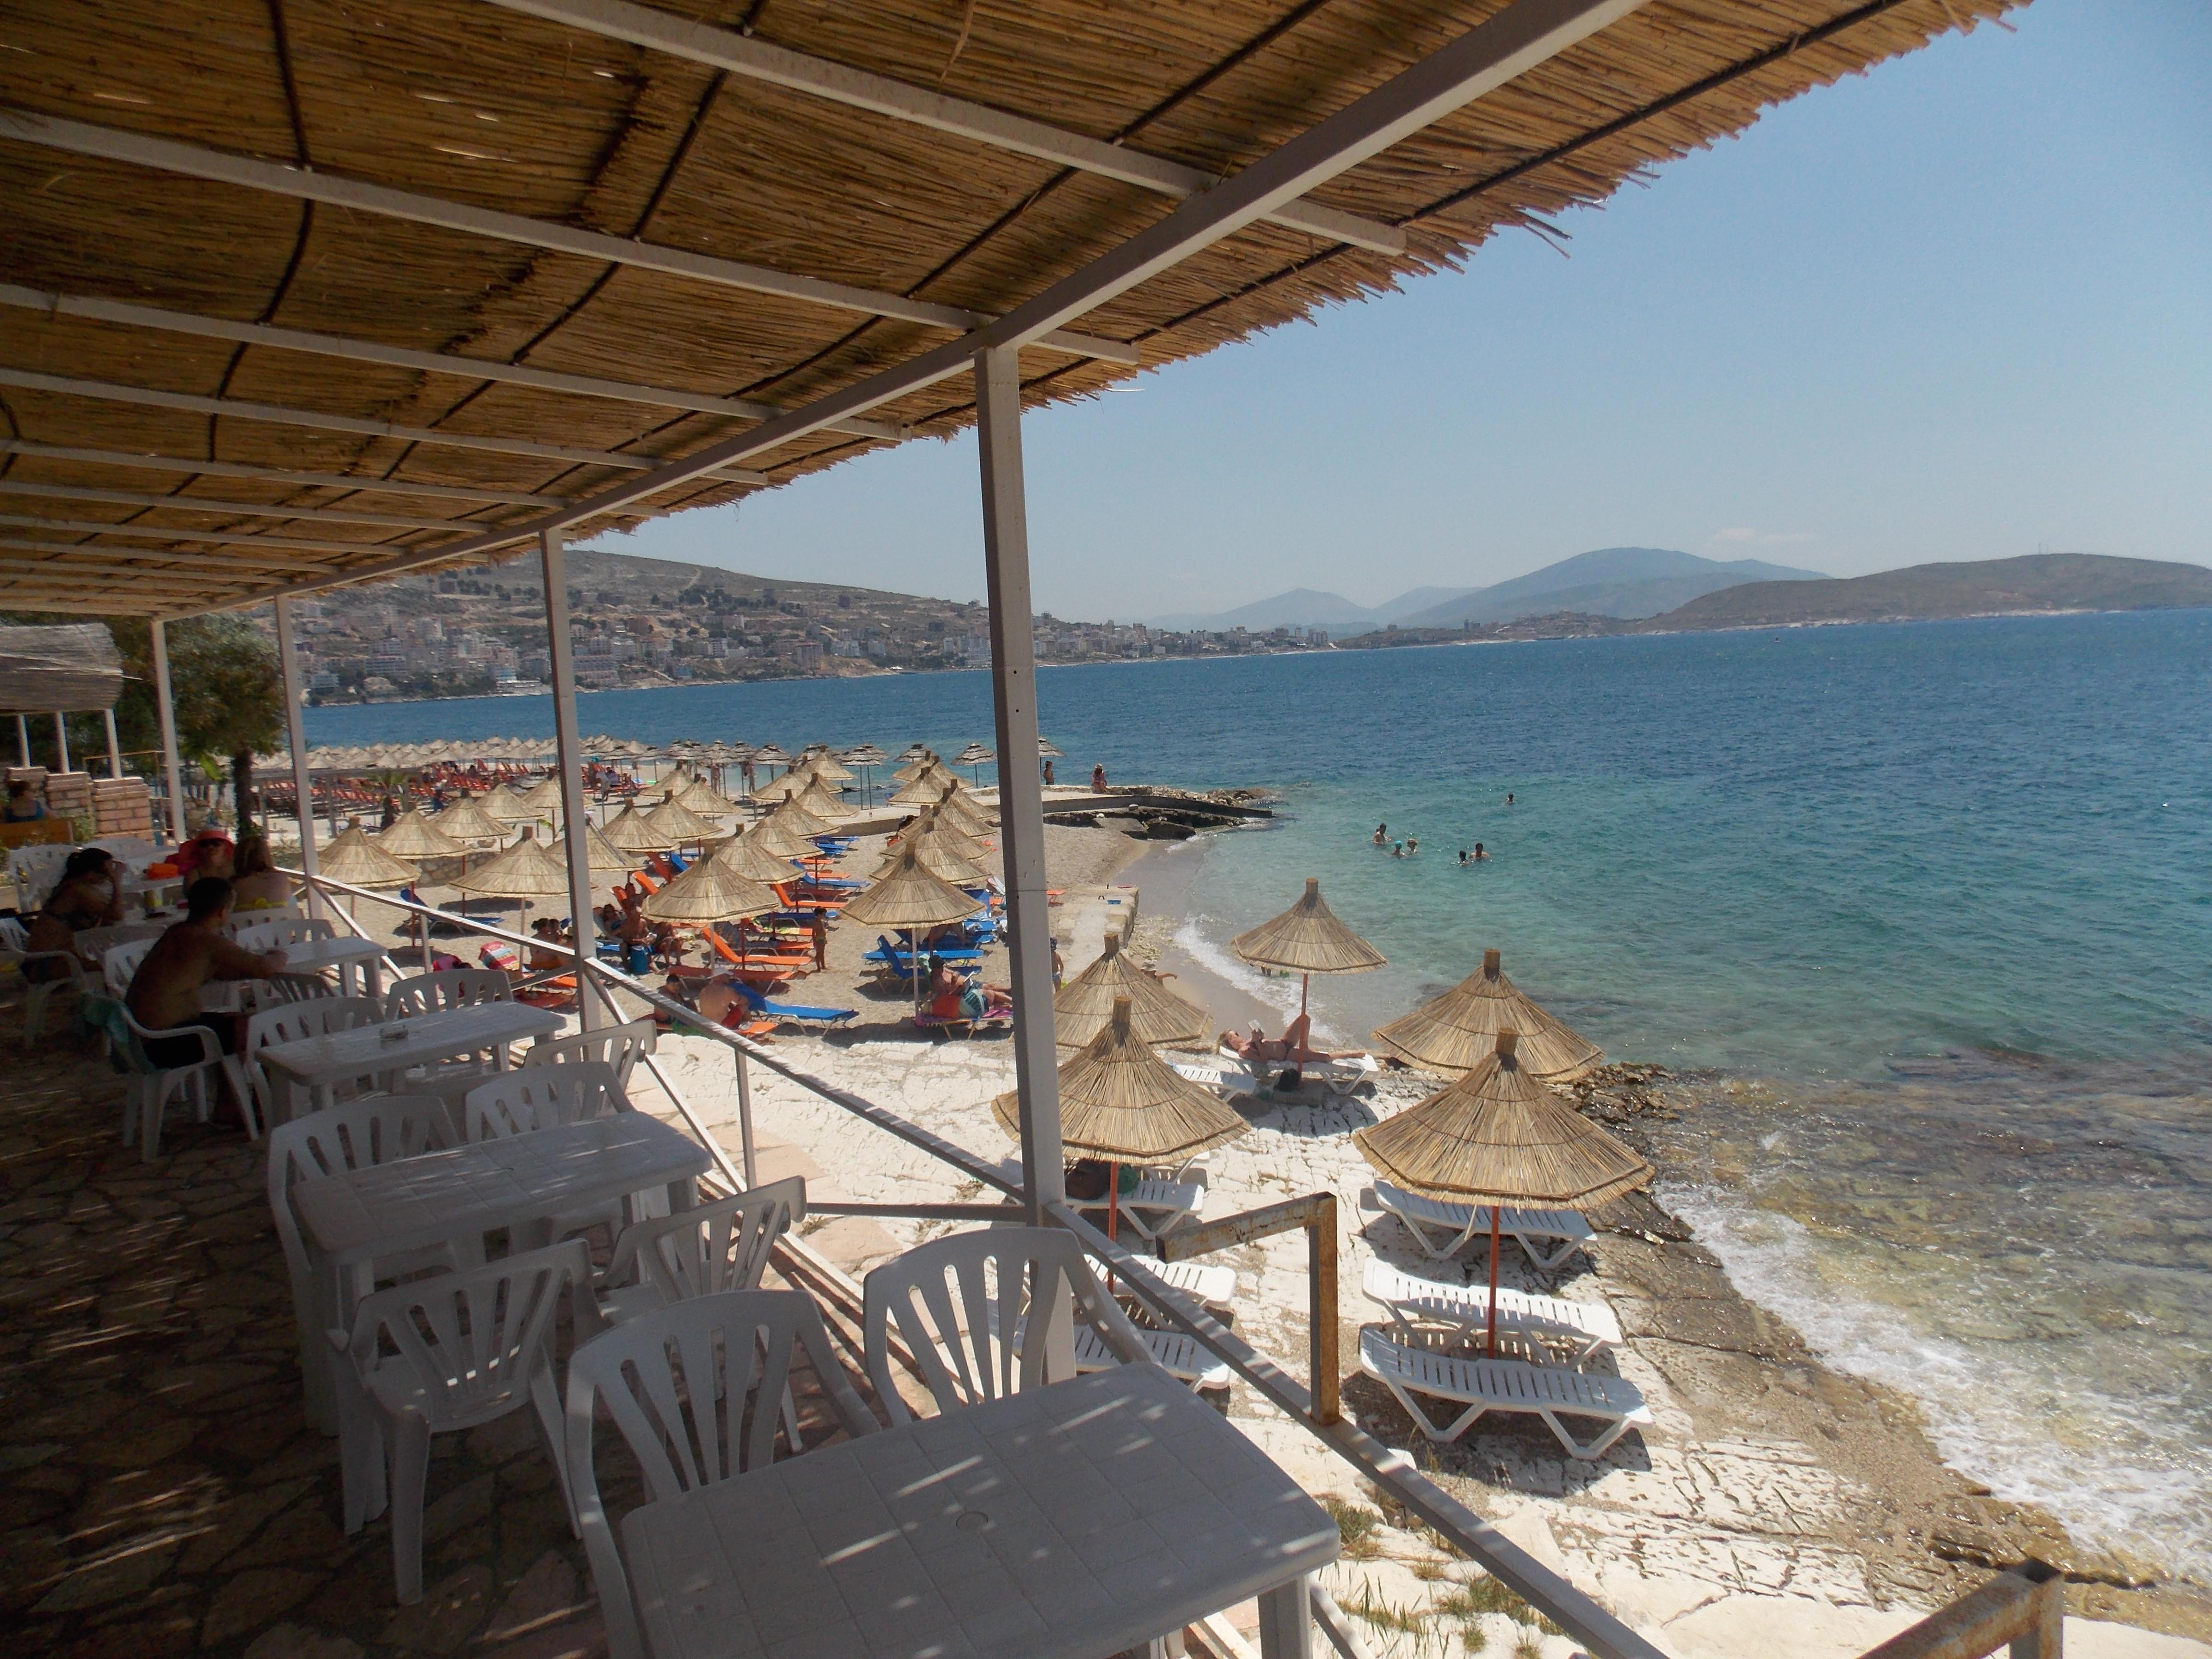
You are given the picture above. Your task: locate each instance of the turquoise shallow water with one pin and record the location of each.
(1924, 907)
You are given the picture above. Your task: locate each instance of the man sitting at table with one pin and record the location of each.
(165, 993)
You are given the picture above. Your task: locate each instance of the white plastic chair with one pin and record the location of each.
(356, 1134)
(619, 1046)
(151, 1086)
(37, 871)
(523, 1102)
(262, 930)
(94, 943)
(451, 988)
(467, 1349)
(717, 1247)
(295, 1022)
(986, 1312)
(15, 951)
(118, 963)
(731, 1351)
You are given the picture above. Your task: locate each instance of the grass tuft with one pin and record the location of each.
(1356, 1526)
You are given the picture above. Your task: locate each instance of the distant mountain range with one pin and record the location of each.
(1612, 581)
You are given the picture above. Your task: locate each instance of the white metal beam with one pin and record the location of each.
(303, 799)
(739, 54)
(283, 475)
(214, 538)
(341, 515)
(191, 162)
(1021, 799)
(569, 751)
(93, 309)
(278, 414)
(1526, 33)
(165, 702)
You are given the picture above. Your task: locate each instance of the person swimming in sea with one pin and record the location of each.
(1412, 846)
(1397, 849)
(1382, 833)
(1480, 857)
(1509, 798)
(1463, 858)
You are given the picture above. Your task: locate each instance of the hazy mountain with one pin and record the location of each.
(2038, 582)
(1611, 581)
(1301, 607)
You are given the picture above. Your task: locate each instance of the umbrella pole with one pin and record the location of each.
(1113, 1210)
(1494, 1208)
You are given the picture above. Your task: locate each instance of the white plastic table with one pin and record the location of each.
(356, 960)
(321, 1063)
(1067, 1522)
(351, 1219)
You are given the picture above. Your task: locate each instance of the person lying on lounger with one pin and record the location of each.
(1292, 1046)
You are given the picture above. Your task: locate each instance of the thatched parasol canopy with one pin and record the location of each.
(1120, 1101)
(543, 797)
(906, 895)
(416, 837)
(824, 765)
(679, 823)
(508, 805)
(524, 870)
(818, 800)
(781, 840)
(795, 819)
(604, 855)
(1455, 1032)
(632, 833)
(1085, 1006)
(701, 797)
(1307, 938)
(959, 808)
(938, 852)
(353, 857)
(1497, 1137)
(709, 891)
(750, 856)
(466, 820)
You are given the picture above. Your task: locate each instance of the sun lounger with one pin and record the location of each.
(1503, 1385)
(1459, 1224)
(1587, 1327)
(1209, 1284)
(1179, 1355)
(792, 1010)
(1229, 1082)
(1151, 1206)
(1341, 1074)
(927, 1021)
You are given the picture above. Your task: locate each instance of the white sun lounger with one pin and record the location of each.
(1179, 1355)
(1152, 1207)
(1341, 1074)
(1503, 1385)
(1211, 1284)
(1229, 1081)
(1591, 1326)
(1459, 1224)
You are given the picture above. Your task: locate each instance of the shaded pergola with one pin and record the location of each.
(313, 295)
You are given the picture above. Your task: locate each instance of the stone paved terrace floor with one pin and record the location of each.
(161, 1492)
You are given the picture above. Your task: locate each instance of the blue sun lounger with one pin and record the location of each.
(761, 1005)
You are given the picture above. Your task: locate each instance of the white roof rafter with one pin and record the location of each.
(739, 54)
(280, 415)
(83, 138)
(93, 309)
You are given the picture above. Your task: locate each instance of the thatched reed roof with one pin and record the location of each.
(415, 837)
(510, 806)
(1085, 1006)
(524, 870)
(940, 853)
(1498, 1136)
(784, 840)
(632, 832)
(353, 857)
(681, 824)
(466, 820)
(710, 891)
(1455, 1032)
(604, 855)
(909, 896)
(469, 371)
(543, 797)
(747, 855)
(1119, 1100)
(794, 818)
(1308, 939)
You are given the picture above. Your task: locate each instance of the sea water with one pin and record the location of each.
(1920, 911)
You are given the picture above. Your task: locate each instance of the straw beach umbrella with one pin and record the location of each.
(602, 854)
(1085, 1006)
(794, 817)
(467, 820)
(708, 892)
(939, 854)
(747, 855)
(975, 755)
(417, 837)
(1454, 1033)
(524, 871)
(679, 823)
(543, 797)
(866, 757)
(908, 897)
(1307, 940)
(631, 833)
(354, 858)
(1120, 1101)
(772, 835)
(1497, 1137)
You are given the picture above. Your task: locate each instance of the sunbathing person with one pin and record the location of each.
(165, 993)
(1293, 1047)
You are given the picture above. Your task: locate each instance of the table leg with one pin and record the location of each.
(1286, 1619)
(315, 1355)
(683, 1195)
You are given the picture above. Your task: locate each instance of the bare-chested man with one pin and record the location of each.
(164, 993)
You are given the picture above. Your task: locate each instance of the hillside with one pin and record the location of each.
(1609, 581)
(2037, 582)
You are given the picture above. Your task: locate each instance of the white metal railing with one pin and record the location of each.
(1387, 1468)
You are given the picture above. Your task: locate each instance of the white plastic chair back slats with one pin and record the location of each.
(619, 1046)
(357, 1134)
(258, 933)
(519, 1102)
(465, 1348)
(119, 965)
(695, 1389)
(454, 988)
(715, 1248)
(986, 1313)
(295, 1022)
(94, 943)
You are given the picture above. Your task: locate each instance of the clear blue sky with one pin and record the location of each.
(1961, 308)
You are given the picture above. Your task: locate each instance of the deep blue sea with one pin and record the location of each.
(1922, 910)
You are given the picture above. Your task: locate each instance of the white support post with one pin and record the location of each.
(164, 700)
(61, 740)
(1021, 797)
(570, 748)
(303, 779)
(23, 733)
(114, 745)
